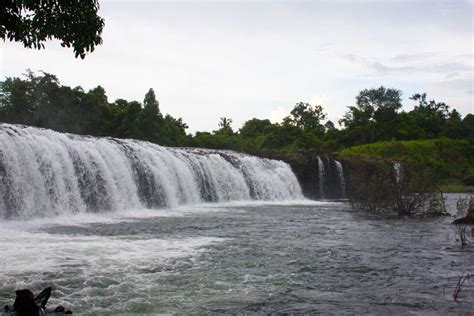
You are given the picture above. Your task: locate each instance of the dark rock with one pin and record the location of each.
(43, 297)
(469, 218)
(25, 304)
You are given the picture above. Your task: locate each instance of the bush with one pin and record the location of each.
(375, 186)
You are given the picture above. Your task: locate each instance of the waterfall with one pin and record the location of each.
(322, 173)
(397, 166)
(46, 173)
(342, 180)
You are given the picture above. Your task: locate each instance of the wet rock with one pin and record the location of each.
(469, 218)
(26, 304)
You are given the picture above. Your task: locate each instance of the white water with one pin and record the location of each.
(103, 263)
(45, 173)
(397, 166)
(321, 172)
(342, 180)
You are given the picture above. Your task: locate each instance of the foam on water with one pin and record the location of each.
(80, 266)
(41, 252)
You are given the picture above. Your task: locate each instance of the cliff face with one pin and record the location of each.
(331, 177)
(320, 177)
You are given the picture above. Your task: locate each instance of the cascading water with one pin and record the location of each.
(44, 173)
(322, 173)
(397, 166)
(342, 180)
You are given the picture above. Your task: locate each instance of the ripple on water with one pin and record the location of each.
(242, 258)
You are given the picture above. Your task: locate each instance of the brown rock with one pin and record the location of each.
(469, 218)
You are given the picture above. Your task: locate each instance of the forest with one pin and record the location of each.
(38, 99)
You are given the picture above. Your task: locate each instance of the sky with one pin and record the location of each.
(246, 59)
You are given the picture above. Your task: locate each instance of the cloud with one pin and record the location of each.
(403, 58)
(277, 115)
(448, 68)
(242, 60)
(319, 100)
(462, 85)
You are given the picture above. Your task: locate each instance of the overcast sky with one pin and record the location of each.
(245, 59)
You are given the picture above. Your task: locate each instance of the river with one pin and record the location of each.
(300, 257)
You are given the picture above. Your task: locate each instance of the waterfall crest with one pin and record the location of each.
(46, 173)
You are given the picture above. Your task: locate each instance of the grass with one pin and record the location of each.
(456, 188)
(452, 160)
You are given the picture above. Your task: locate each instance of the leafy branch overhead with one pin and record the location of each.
(75, 23)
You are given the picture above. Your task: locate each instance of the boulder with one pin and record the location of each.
(469, 218)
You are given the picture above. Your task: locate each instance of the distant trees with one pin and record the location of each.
(254, 128)
(373, 105)
(377, 117)
(40, 100)
(74, 23)
(430, 115)
(371, 117)
(307, 117)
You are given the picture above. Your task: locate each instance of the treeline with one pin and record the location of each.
(40, 100)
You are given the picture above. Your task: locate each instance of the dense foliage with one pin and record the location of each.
(451, 161)
(40, 100)
(32, 22)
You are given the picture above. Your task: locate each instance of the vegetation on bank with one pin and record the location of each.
(450, 160)
(377, 186)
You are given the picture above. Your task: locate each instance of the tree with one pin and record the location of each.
(468, 126)
(151, 120)
(224, 124)
(254, 128)
(23, 99)
(373, 116)
(175, 131)
(379, 104)
(380, 98)
(430, 115)
(151, 104)
(453, 127)
(32, 22)
(127, 123)
(306, 117)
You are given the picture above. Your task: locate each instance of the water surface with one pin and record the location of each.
(295, 257)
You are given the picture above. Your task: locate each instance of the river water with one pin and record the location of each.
(301, 257)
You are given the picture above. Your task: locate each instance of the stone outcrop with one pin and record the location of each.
(469, 218)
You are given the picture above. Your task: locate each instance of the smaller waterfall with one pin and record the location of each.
(321, 177)
(397, 166)
(342, 180)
